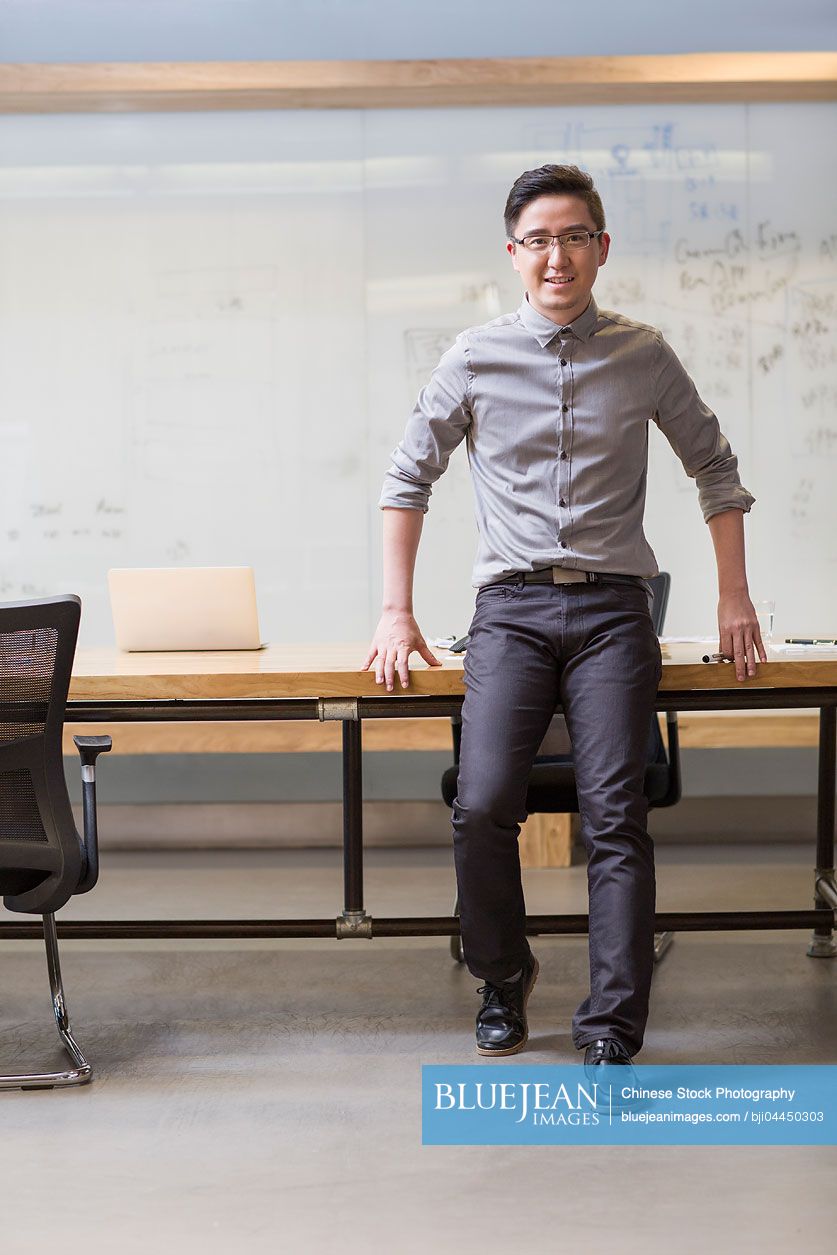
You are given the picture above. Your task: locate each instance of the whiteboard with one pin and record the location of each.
(213, 328)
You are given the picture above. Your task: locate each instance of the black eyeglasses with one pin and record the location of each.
(570, 240)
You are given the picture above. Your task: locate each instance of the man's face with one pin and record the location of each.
(542, 273)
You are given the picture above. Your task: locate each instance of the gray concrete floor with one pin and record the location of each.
(265, 1095)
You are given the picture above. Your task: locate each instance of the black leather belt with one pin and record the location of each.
(564, 575)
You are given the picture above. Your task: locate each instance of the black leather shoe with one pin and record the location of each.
(501, 1020)
(607, 1050)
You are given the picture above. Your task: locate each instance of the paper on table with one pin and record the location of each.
(803, 651)
(688, 640)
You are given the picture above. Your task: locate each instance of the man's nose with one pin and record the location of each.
(557, 247)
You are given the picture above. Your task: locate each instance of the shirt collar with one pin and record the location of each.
(544, 330)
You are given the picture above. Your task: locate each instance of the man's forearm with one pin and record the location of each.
(739, 635)
(727, 531)
(402, 532)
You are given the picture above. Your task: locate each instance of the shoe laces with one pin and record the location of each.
(497, 995)
(612, 1049)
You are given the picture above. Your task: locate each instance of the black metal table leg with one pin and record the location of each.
(822, 945)
(354, 920)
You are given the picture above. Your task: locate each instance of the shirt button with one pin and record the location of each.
(562, 502)
(563, 456)
(563, 361)
(563, 544)
(565, 408)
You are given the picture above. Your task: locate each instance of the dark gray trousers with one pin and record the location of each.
(591, 648)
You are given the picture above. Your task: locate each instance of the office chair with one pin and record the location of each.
(43, 861)
(552, 779)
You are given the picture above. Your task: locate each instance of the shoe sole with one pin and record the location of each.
(513, 1050)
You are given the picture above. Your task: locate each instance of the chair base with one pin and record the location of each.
(81, 1072)
(821, 947)
(662, 941)
(457, 950)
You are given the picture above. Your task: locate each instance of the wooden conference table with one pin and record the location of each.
(324, 682)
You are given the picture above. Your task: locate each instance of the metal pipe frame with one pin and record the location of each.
(81, 1072)
(354, 922)
(233, 710)
(406, 926)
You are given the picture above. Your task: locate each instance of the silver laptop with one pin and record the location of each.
(156, 608)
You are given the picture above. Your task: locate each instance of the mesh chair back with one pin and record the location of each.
(41, 854)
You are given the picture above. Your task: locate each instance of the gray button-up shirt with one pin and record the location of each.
(556, 424)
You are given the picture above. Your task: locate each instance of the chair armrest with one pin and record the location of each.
(89, 748)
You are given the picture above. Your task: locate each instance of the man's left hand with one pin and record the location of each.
(739, 633)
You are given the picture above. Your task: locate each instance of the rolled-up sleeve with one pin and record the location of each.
(436, 426)
(693, 432)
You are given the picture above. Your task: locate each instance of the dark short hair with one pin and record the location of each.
(552, 180)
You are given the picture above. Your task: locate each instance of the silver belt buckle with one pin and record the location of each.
(561, 575)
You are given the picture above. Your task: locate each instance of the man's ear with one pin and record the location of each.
(511, 249)
(604, 248)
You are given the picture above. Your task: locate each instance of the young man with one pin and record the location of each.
(554, 401)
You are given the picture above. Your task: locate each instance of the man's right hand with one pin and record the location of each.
(396, 636)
